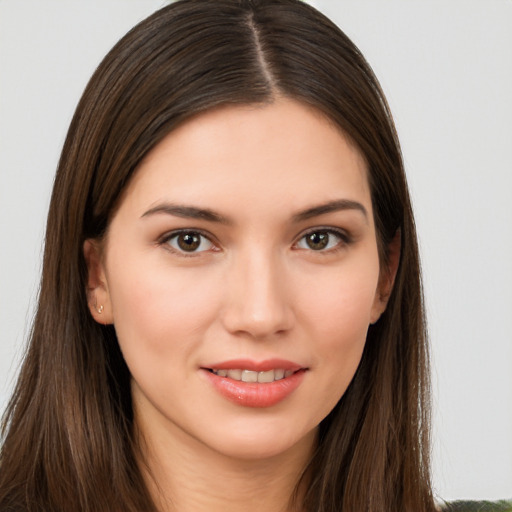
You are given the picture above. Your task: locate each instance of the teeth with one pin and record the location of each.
(252, 376)
(249, 376)
(278, 374)
(235, 374)
(266, 376)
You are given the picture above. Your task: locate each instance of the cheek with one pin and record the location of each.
(340, 337)
(339, 304)
(158, 312)
(338, 312)
(340, 325)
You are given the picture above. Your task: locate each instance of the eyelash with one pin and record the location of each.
(344, 240)
(166, 239)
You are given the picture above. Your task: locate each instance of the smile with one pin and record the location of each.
(255, 388)
(253, 376)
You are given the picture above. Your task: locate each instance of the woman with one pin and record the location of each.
(230, 206)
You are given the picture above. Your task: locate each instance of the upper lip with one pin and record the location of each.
(255, 366)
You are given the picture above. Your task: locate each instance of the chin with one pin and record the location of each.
(262, 442)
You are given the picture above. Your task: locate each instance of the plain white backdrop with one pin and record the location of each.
(446, 67)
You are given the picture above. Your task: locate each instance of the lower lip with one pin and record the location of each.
(254, 394)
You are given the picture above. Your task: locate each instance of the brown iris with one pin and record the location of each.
(317, 240)
(188, 241)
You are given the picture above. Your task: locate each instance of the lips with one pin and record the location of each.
(255, 384)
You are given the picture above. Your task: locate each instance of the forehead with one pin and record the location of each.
(278, 156)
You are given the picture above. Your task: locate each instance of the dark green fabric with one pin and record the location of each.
(478, 506)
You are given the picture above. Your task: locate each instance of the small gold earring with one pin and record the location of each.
(100, 309)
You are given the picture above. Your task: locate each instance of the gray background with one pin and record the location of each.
(446, 67)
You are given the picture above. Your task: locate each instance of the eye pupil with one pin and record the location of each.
(189, 241)
(317, 240)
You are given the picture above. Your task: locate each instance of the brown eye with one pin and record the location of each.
(317, 241)
(320, 240)
(189, 241)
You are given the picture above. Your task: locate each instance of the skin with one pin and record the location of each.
(253, 289)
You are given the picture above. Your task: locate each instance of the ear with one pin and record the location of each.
(98, 297)
(387, 277)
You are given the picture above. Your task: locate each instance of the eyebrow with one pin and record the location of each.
(331, 206)
(192, 212)
(187, 212)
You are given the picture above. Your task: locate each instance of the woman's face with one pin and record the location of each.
(244, 249)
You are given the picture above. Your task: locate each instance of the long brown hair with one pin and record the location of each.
(67, 433)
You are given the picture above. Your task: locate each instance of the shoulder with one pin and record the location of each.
(478, 506)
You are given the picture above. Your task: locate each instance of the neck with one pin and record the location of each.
(183, 475)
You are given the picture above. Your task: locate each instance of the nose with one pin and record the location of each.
(257, 300)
